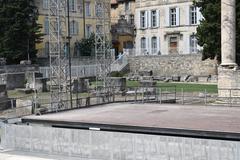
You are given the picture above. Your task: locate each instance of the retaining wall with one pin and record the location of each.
(102, 145)
(174, 65)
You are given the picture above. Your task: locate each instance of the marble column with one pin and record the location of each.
(228, 32)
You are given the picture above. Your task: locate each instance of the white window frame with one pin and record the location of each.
(193, 15)
(98, 9)
(127, 6)
(88, 9)
(88, 30)
(143, 45)
(46, 26)
(72, 5)
(154, 46)
(143, 19)
(73, 27)
(193, 44)
(154, 18)
(173, 16)
(45, 4)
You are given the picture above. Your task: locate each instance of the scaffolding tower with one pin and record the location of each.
(58, 48)
(59, 66)
(103, 46)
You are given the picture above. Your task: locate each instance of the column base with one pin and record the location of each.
(228, 82)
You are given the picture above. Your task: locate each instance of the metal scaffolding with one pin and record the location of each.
(60, 77)
(103, 46)
(59, 65)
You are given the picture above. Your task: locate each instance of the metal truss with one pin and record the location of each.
(103, 46)
(58, 54)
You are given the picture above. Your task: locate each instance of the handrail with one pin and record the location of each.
(119, 64)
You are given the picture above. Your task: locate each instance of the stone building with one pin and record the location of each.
(122, 24)
(82, 22)
(165, 27)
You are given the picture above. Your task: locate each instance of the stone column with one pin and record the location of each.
(228, 32)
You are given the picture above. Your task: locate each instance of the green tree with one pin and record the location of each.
(209, 31)
(19, 30)
(86, 46)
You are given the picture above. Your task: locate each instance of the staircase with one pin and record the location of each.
(120, 64)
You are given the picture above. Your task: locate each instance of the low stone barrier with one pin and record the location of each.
(102, 145)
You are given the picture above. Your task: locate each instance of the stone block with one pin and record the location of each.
(203, 79)
(14, 80)
(228, 82)
(80, 85)
(119, 83)
(145, 73)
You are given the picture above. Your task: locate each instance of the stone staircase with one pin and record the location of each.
(120, 64)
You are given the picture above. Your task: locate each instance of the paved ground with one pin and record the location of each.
(219, 119)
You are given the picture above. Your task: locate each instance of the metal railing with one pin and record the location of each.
(159, 94)
(77, 71)
(120, 63)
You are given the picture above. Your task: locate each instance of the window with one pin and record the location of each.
(154, 18)
(46, 26)
(46, 49)
(98, 10)
(143, 45)
(154, 45)
(127, 6)
(99, 28)
(73, 28)
(72, 5)
(173, 16)
(173, 45)
(88, 9)
(193, 15)
(88, 30)
(45, 4)
(132, 19)
(193, 44)
(143, 19)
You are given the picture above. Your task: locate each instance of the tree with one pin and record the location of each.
(19, 30)
(86, 46)
(209, 31)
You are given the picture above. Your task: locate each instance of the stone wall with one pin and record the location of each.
(174, 65)
(13, 76)
(101, 145)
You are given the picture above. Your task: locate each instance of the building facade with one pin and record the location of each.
(82, 23)
(122, 24)
(166, 27)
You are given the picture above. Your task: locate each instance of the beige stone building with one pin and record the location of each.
(122, 22)
(166, 27)
(82, 22)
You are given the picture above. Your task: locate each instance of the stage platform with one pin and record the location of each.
(211, 122)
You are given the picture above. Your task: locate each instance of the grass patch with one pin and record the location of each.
(186, 87)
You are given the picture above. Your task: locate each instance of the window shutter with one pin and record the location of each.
(158, 18)
(187, 9)
(158, 45)
(147, 45)
(187, 44)
(167, 17)
(77, 27)
(199, 15)
(149, 19)
(138, 20)
(177, 16)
